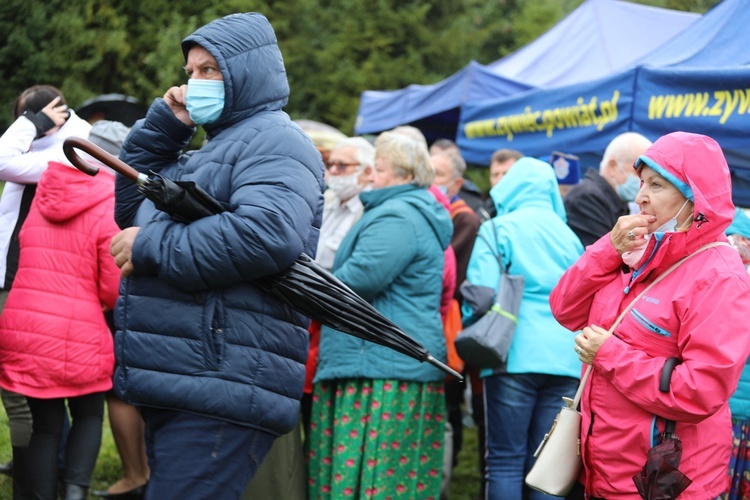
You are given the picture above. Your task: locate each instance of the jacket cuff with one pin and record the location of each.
(604, 253)
(42, 122)
(161, 117)
(603, 361)
(145, 251)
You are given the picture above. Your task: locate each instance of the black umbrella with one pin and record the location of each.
(660, 479)
(117, 107)
(304, 285)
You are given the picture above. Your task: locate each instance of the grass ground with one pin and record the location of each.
(465, 484)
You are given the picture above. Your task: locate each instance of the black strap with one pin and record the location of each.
(493, 247)
(664, 380)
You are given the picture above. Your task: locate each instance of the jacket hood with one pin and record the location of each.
(528, 182)
(244, 46)
(740, 224)
(696, 165)
(420, 198)
(64, 191)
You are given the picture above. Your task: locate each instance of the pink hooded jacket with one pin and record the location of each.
(54, 341)
(699, 314)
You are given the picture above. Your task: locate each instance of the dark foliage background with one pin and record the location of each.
(334, 49)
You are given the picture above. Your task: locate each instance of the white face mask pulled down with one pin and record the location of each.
(344, 186)
(634, 257)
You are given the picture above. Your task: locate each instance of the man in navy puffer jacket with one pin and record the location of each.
(216, 364)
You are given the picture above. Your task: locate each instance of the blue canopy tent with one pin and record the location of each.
(598, 39)
(686, 95)
(586, 44)
(434, 109)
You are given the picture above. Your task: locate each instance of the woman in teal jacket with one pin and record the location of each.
(533, 239)
(378, 416)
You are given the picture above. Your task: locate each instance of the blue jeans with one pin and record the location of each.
(192, 456)
(519, 410)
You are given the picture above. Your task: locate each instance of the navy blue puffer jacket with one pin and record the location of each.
(194, 332)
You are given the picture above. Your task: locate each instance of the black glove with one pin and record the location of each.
(42, 122)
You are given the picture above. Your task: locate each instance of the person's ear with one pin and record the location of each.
(613, 169)
(365, 174)
(459, 182)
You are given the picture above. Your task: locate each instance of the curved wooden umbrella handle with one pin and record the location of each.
(72, 143)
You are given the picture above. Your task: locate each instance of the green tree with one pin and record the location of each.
(334, 49)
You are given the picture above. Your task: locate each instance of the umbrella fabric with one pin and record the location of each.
(183, 201)
(115, 107)
(311, 289)
(660, 479)
(304, 285)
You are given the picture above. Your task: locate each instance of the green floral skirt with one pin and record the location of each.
(379, 439)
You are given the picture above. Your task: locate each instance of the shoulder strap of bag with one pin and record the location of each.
(493, 247)
(663, 275)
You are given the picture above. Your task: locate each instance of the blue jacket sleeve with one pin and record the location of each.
(153, 143)
(274, 195)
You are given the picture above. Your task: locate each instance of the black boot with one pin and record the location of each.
(75, 492)
(21, 483)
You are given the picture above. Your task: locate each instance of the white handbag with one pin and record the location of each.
(558, 457)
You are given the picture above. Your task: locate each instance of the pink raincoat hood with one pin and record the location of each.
(65, 192)
(696, 165)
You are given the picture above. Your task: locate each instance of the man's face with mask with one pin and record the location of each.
(344, 174)
(627, 181)
(445, 180)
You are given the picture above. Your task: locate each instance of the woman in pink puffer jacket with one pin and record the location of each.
(54, 342)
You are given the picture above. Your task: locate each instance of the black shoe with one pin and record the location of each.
(134, 494)
(7, 468)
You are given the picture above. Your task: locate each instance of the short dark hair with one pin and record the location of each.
(444, 144)
(503, 155)
(35, 98)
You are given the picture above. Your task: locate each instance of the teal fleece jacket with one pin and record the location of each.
(393, 258)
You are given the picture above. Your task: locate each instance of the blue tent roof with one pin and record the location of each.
(586, 44)
(718, 40)
(598, 39)
(701, 88)
(383, 110)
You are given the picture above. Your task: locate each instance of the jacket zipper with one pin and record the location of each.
(643, 320)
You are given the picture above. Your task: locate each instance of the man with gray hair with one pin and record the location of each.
(594, 205)
(347, 169)
(449, 178)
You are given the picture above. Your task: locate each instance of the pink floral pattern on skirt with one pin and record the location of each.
(376, 439)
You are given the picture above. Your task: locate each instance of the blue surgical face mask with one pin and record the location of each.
(629, 189)
(204, 100)
(442, 189)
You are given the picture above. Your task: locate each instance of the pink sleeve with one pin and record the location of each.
(449, 282)
(573, 295)
(714, 343)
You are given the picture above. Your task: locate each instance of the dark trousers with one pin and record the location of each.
(192, 456)
(454, 396)
(82, 447)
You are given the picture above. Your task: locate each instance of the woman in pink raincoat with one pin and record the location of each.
(699, 314)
